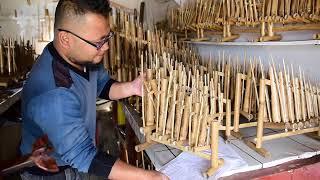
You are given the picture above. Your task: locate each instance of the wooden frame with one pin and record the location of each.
(290, 128)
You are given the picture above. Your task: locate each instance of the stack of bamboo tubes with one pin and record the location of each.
(220, 15)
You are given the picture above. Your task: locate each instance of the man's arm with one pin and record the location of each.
(122, 170)
(120, 90)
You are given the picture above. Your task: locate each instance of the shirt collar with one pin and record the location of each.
(56, 56)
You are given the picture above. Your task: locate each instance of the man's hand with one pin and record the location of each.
(120, 90)
(137, 85)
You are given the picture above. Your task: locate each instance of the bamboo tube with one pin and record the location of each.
(282, 98)
(215, 82)
(158, 102)
(150, 110)
(237, 103)
(213, 105)
(246, 12)
(150, 105)
(261, 113)
(185, 118)
(289, 95)
(303, 98)
(179, 111)
(164, 85)
(170, 123)
(243, 85)
(297, 100)
(200, 117)
(284, 107)
(255, 84)
(9, 58)
(242, 9)
(190, 122)
(195, 121)
(228, 118)
(227, 81)
(309, 101)
(167, 102)
(247, 91)
(274, 97)
(143, 94)
(251, 11)
(203, 132)
(1, 60)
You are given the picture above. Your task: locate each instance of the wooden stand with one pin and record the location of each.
(290, 129)
(240, 79)
(270, 36)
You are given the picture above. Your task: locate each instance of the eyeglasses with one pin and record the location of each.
(97, 45)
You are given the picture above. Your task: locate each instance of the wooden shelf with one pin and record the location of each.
(270, 43)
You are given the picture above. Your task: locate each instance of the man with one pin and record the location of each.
(58, 99)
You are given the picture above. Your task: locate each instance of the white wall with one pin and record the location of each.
(306, 56)
(26, 23)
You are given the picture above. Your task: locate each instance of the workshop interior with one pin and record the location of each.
(230, 88)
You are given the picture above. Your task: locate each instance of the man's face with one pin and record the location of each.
(93, 29)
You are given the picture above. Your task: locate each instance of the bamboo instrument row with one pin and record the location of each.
(219, 15)
(175, 103)
(187, 100)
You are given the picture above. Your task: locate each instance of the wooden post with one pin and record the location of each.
(228, 119)
(214, 147)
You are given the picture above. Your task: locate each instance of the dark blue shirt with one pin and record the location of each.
(59, 100)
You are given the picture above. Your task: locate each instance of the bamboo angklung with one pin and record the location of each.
(188, 95)
(198, 17)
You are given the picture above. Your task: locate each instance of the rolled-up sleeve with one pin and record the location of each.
(104, 83)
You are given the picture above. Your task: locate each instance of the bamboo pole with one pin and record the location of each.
(289, 95)
(185, 118)
(274, 97)
(261, 113)
(1, 60)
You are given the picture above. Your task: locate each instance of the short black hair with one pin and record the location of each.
(80, 7)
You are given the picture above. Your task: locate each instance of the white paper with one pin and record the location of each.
(188, 166)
